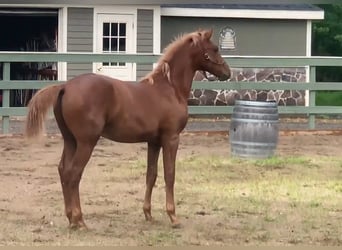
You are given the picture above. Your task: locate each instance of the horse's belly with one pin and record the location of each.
(129, 134)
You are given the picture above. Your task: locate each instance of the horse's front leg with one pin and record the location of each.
(153, 151)
(170, 147)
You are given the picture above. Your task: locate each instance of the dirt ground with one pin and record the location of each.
(31, 202)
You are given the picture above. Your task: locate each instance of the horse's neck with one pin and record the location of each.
(181, 76)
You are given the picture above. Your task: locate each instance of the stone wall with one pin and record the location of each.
(228, 97)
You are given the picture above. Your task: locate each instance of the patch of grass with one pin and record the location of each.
(161, 238)
(314, 204)
(329, 98)
(263, 236)
(138, 164)
(281, 162)
(335, 185)
(269, 218)
(259, 193)
(210, 162)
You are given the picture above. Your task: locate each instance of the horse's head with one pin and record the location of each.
(206, 55)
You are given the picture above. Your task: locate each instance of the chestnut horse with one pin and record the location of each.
(153, 110)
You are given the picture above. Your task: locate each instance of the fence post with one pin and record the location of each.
(312, 96)
(6, 97)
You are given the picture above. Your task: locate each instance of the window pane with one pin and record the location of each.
(105, 44)
(105, 29)
(114, 43)
(105, 64)
(122, 29)
(122, 44)
(114, 29)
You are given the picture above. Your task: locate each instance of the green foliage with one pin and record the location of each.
(327, 40)
(327, 33)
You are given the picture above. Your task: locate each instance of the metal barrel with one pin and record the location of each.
(254, 129)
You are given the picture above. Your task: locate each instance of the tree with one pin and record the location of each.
(327, 40)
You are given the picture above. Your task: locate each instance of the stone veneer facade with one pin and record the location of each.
(228, 97)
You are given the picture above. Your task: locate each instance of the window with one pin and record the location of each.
(114, 40)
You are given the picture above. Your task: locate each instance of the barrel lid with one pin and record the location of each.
(256, 103)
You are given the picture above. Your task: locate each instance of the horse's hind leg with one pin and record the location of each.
(72, 176)
(151, 176)
(68, 152)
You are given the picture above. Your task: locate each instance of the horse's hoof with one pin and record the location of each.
(176, 225)
(148, 217)
(81, 226)
(73, 227)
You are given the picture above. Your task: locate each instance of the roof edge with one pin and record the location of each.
(316, 14)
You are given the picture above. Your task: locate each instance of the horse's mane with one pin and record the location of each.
(163, 66)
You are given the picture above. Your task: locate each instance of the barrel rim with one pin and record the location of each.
(248, 120)
(256, 103)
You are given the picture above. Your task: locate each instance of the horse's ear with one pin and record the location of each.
(208, 34)
(194, 39)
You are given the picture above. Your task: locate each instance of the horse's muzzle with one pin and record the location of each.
(224, 76)
(226, 73)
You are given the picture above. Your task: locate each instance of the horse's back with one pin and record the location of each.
(106, 106)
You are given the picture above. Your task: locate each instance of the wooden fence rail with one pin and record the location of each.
(310, 63)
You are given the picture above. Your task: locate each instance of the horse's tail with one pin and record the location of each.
(38, 108)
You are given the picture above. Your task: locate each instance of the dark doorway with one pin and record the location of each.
(28, 30)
